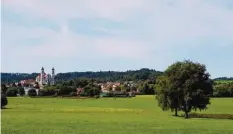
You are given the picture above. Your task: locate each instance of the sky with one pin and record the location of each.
(117, 35)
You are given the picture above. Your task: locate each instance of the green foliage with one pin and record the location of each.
(91, 90)
(32, 92)
(146, 87)
(48, 90)
(184, 86)
(12, 92)
(4, 100)
(66, 90)
(101, 76)
(16, 77)
(223, 90)
(162, 88)
(82, 82)
(118, 88)
(3, 88)
(21, 91)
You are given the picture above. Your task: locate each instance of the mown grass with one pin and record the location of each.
(108, 116)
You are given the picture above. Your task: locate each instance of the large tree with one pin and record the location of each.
(184, 86)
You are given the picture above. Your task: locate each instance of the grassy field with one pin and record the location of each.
(139, 115)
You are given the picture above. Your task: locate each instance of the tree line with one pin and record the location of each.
(101, 76)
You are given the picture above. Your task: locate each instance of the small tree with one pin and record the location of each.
(21, 91)
(184, 86)
(12, 92)
(117, 88)
(32, 92)
(4, 100)
(3, 88)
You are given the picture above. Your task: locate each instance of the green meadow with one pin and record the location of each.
(139, 115)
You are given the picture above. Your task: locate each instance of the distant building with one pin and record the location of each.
(109, 86)
(27, 82)
(46, 79)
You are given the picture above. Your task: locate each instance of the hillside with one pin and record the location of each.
(141, 74)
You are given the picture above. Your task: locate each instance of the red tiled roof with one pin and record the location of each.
(45, 75)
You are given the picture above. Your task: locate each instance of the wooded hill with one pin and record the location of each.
(131, 75)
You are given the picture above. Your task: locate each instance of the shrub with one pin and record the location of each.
(73, 94)
(92, 90)
(223, 90)
(46, 92)
(4, 101)
(66, 90)
(32, 92)
(21, 91)
(12, 92)
(3, 88)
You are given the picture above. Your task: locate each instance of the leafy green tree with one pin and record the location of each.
(21, 91)
(32, 92)
(82, 82)
(92, 90)
(223, 90)
(12, 92)
(4, 100)
(66, 90)
(3, 88)
(184, 86)
(117, 88)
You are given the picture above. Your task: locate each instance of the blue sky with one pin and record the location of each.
(94, 35)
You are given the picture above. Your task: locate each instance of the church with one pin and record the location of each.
(46, 79)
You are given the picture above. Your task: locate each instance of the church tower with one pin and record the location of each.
(53, 76)
(42, 76)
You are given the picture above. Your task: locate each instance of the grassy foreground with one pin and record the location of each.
(107, 116)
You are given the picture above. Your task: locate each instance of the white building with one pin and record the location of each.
(45, 79)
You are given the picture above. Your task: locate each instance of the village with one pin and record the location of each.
(45, 81)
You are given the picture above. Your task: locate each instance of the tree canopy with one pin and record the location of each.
(184, 86)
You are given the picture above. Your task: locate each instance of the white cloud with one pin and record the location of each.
(163, 23)
(66, 44)
(59, 10)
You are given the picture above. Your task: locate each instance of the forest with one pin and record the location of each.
(101, 76)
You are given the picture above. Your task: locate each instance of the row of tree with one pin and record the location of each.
(223, 90)
(101, 76)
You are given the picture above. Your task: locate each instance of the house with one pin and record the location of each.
(105, 88)
(30, 82)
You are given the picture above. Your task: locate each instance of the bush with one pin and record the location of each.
(223, 90)
(32, 92)
(46, 92)
(21, 91)
(73, 94)
(12, 92)
(66, 90)
(92, 90)
(3, 88)
(4, 101)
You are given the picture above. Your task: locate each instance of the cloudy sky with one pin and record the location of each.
(94, 35)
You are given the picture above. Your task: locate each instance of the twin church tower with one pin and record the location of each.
(46, 79)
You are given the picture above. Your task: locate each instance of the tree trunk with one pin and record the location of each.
(176, 114)
(186, 114)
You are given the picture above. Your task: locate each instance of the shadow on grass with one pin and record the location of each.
(210, 116)
(5, 108)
